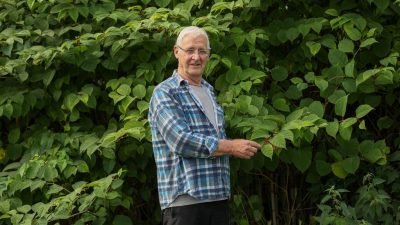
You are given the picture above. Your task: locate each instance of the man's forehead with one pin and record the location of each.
(194, 37)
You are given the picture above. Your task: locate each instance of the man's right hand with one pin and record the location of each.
(240, 148)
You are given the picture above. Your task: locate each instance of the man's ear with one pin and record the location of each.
(175, 50)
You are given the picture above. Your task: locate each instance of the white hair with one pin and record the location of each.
(197, 31)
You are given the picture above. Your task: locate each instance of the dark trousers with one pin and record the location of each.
(208, 213)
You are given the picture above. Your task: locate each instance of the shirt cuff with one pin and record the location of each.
(211, 144)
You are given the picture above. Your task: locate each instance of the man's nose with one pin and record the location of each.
(196, 55)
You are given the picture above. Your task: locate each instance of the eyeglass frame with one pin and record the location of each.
(200, 52)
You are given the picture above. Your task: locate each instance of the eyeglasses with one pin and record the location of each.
(192, 51)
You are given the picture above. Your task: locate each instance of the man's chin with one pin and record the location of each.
(196, 72)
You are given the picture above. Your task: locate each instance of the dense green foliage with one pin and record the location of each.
(317, 82)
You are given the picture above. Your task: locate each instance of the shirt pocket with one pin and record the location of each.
(193, 115)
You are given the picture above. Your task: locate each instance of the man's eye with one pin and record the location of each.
(190, 51)
(202, 51)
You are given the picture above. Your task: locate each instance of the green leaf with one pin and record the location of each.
(292, 33)
(89, 142)
(362, 125)
(60, 7)
(73, 13)
(267, 150)
(116, 97)
(90, 64)
(243, 103)
(321, 83)
(371, 151)
(384, 77)
(301, 158)
(253, 110)
(333, 98)
(363, 110)
(74, 116)
(323, 168)
(338, 170)
(24, 209)
(364, 76)
(108, 153)
(352, 32)
(54, 189)
(367, 42)
(23, 76)
(345, 132)
(252, 74)
(246, 85)
(220, 6)
(239, 39)
(381, 4)
(139, 91)
(332, 128)
(124, 90)
(122, 220)
(48, 77)
(227, 62)
(14, 135)
(117, 45)
(30, 3)
(142, 106)
(69, 171)
(162, 3)
(82, 166)
(295, 115)
(317, 108)
(385, 122)
(390, 60)
(293, 92)
(304, 28)
(349, 85)
(314, 47)
(349, 68)
(350, 165)
(50, 173)
(71, 101)
(279, 73)
(316, 24)
(346, 45)
(335, 154)
(287, 134)
(337, 57)
(341, 105)
(348, 122)
(281, 104)
(278, 141)
(108, 165)
(8, 110)
(332, 12)
(232, 76)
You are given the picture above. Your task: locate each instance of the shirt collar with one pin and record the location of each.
(180, 79)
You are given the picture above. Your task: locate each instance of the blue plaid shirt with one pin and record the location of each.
(183, 143)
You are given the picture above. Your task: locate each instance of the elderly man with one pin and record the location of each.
(189, 142)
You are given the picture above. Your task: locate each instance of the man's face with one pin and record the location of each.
(192, 54)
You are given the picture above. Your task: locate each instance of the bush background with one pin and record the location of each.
(316, 82)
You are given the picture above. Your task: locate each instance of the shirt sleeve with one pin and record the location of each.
(169, 119)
